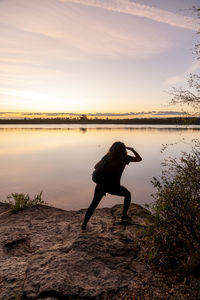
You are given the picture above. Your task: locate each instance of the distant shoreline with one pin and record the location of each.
(135, 121)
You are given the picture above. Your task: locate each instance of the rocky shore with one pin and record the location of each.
(45, 255)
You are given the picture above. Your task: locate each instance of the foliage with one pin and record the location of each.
(174, 230)
(190, 96)
(175, 227)
(21, 201)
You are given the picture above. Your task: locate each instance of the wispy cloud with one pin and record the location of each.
(136, 9)
(181, 78)
(25, 96)
(73, 34)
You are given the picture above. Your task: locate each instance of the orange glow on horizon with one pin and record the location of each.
(38, 115)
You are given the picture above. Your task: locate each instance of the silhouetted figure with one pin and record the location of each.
(113, 163)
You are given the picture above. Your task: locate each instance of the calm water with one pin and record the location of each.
(59, 159)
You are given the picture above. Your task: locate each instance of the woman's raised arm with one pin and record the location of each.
(135, 158)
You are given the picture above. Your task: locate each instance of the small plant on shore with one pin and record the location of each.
(175, 229)
(20, 201)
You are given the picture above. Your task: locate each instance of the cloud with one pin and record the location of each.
(181, 78)
(140, 10)
(98, 114)
(35, 99)
(50, 30)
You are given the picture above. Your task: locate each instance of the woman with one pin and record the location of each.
(114, 163)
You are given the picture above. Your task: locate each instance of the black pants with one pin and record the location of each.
(100, 191)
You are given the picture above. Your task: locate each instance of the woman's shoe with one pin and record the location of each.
(126, 218)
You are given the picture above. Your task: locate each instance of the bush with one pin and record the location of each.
(21, 201)
(175, 228)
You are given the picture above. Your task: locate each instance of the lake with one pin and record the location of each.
(59, 159)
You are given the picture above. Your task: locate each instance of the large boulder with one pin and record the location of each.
(44, 253)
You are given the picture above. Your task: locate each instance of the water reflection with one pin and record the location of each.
(59, 160)
(83, 130)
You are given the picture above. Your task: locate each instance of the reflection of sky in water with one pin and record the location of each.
(59, 161)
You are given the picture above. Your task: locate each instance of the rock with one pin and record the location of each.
(45, 255)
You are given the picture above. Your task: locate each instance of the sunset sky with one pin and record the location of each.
(91, 56)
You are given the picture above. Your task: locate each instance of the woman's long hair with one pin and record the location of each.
(117, 151)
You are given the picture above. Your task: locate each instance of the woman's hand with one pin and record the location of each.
(130, 148)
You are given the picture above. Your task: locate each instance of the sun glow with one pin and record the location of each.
(38, 102)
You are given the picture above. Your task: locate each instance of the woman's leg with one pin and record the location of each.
(98, 194)
(127, 200)
(122, 191)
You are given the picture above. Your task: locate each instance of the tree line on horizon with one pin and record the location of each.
(85, 120)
